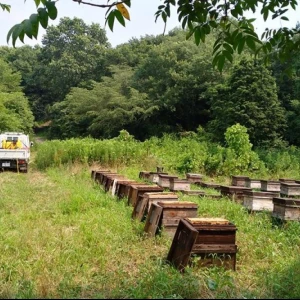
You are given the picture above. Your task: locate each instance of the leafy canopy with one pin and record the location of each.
(200, 18)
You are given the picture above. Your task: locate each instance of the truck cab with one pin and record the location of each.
(14, 151)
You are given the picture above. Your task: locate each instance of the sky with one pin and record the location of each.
(141, 12)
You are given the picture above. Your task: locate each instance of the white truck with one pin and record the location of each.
(14, 151)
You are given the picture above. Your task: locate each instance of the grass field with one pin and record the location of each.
(63, 237)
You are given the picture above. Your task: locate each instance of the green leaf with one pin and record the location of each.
(241, 45)
(221, 63)
(43, 17)
(110, 20)
(119, 17)
(250, 43)
(16, 32)
(34, 19)
(284, 18)
(197, 35)
(27, 28)
(52, 10)
(228, 55)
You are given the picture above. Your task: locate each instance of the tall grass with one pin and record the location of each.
(63, 237)
(179, 155)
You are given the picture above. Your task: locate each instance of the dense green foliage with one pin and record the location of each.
(15, 113)
(152, 86)
(201, 18)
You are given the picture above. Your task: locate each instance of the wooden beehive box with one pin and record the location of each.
(289, 189)
(93, 173)
(258, 201)
(99, 175)
(287, 180)
(144, 175)
(136, 190)
(104, 176)
(165, 180)
(286, 208)
(211, 240)
(253, 183)
(212, 185)
(179, 184)
(270, 185)
(153, 177)
(193, 177)
(235, 193)
(167, 214)
(122, 189)
(117, 184)
(144, 202)
(239, 180)
(110, 180)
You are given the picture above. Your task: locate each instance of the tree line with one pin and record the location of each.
(147, 86)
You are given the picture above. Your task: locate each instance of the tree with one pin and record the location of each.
(73, 52)
(103, 109)
(200, 18)
(15, 113)
(249, 98)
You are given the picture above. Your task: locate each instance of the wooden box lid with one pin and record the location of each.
(177, 204)
(208, 221)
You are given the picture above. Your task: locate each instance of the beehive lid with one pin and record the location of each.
(208, 221)
(161, 195)
(177, 204)
(167, 176)
(194, 175)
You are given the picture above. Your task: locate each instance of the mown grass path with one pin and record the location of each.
(63, 237)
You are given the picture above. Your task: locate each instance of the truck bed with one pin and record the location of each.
(14, 154)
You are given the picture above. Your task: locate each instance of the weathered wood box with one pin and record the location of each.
(99, 175)
(136, 190)
(153, 177)
(179, 184)
(93, 173)
(117, 184)
(211, 240)
(258, 201)
(270, 185)
(110, 180)
(287, 180)
(165, 215)
(144, 175)
(239, 180)
(235, 193)
(165, 180)
(289, 189)
(286, 208)
(104, 176)
(253, 183)
(193, 177)
(122, 189)
(212, 185)
(145, 201)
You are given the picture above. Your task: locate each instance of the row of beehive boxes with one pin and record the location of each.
(285, 186)
(254, 194)
(208, 237)
(270, 195)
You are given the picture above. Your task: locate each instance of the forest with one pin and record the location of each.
(80, 86)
